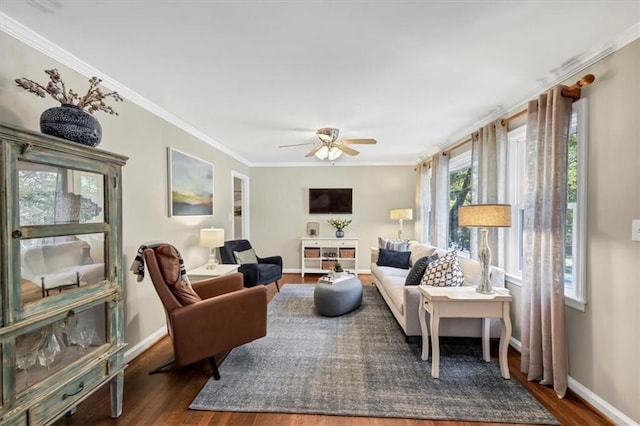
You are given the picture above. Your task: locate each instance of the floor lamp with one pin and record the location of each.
(484, 216)
(212, 238)
(400, 215)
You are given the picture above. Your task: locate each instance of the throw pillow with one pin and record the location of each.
(393, 258)
(444, 272)
(398, 245)
(247, 256)
(417, 271)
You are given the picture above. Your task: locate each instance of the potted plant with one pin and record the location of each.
(73, 119)
(339, 224)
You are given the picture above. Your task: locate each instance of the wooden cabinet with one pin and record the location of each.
(61, 277)
(320, 254)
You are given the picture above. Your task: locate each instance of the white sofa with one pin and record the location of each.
(403, 300)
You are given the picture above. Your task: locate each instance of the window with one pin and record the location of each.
(516, 189)
(576, 226)
(459, 195)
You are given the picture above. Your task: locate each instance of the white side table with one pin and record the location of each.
(464, 302)
(202, 273)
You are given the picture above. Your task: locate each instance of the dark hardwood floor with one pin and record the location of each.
(163, 399)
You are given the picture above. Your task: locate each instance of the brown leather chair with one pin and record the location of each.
(220, 315)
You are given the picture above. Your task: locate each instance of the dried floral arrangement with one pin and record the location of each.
(92, 101)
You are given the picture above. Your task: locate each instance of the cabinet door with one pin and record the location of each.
(60, 235)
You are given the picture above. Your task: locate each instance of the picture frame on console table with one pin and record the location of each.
(313, 229)
(190, 185)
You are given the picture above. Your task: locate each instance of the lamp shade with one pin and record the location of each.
(401, 214)
(485, 216)
(211, 237)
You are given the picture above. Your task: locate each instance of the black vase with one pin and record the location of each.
(339, 233)
(72, 123)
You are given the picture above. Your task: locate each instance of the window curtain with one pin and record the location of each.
(423, 192)
(488, 162)
(544, 346)
(439, 226)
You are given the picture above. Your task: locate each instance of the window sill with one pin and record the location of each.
(575, 303)
(569, 301)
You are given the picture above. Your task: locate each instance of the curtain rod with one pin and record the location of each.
(572, 92)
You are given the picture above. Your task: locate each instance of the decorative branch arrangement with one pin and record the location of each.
(92, 101)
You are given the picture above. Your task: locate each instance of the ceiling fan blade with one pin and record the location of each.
(314, 150)
(360, 141)
(296, 144)
(348, 150)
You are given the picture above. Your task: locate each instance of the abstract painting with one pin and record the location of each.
(190, 185)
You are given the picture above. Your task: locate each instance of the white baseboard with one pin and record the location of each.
(136, 350)
(615, 415)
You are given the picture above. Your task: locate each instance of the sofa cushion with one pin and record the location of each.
(398, 245)
(419, 250)
(444, 272)
(417, 270)
(388, 271)
(395, 289)
(394, 258)
(471, 269)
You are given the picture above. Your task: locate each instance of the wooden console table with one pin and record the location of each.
(464, 302)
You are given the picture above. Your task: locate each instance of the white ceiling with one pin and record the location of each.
(253, 75)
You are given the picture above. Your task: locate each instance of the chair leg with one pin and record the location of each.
(277, 286)
(214, 367)
(161, 369)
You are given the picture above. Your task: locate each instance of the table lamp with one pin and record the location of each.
(400, 215)
(485, 216)
(212, 238)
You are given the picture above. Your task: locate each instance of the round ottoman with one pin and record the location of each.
(337, 299)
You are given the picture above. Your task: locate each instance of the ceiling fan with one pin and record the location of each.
(329, 147)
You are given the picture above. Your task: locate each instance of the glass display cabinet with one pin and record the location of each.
(61, 299)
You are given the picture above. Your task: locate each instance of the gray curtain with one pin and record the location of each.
(439, 226)
(488, 162)
(544, 346)
(423, 192)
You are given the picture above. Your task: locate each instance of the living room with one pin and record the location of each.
(603, 340)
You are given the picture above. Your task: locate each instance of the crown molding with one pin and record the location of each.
(20, 32)
(553, 78)
(337, 163)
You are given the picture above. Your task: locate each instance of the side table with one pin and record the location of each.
(202, 273)
(464, 302)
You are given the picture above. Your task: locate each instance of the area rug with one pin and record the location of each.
(359, 364)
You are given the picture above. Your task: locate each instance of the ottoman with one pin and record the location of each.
(337, 299)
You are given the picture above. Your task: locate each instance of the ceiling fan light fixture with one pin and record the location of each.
(334, 153)
(322, 153)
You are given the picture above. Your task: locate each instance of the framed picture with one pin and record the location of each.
(313, 229)
(190, 185)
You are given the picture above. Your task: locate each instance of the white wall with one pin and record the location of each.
(279, 206)
(144, 138)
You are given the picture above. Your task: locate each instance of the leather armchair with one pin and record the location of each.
(228, 315)
(266, 271)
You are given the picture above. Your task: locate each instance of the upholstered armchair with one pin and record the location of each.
(256, 270)
(208, 317)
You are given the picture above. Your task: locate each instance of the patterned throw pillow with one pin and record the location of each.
(444, 272)
(397, 245)
(417, 271)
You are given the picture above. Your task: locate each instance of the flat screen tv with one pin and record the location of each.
(330, 200)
